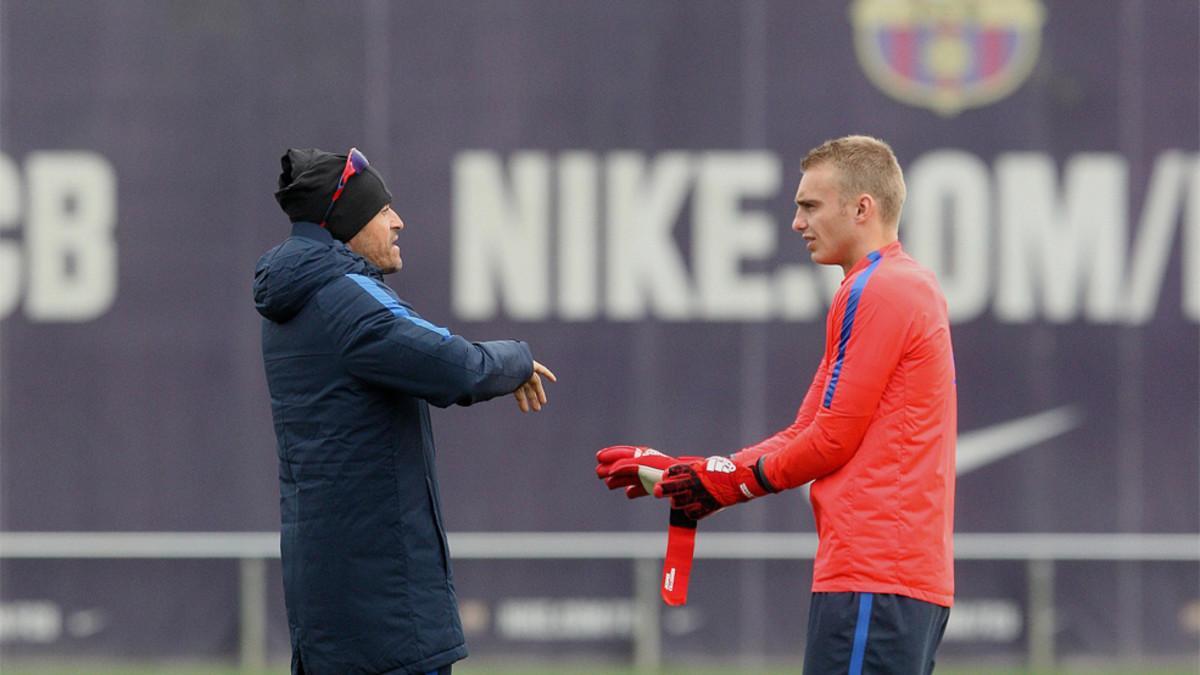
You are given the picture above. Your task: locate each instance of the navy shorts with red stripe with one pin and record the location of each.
(872, 634)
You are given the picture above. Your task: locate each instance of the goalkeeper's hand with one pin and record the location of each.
(634, 467)
(701, 488)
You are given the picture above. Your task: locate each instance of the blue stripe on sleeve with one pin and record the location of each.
(372, 287)
(848, 323)
(859, 650)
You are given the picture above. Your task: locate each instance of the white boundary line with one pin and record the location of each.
(598, 545)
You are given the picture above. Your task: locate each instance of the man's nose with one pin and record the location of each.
(798, 223)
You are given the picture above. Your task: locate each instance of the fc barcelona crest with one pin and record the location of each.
(947, 55)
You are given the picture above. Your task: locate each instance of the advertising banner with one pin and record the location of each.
(612, 183)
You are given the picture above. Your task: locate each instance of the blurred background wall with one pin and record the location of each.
(612, 182)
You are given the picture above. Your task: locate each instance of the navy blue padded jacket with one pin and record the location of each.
(351, 370)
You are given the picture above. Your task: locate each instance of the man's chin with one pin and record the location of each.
(388, 266)
(390, 262)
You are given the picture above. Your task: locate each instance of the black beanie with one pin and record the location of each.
(307, 183)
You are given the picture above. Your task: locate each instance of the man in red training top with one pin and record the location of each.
(875, 433)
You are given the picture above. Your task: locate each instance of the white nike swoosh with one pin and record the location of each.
(981, 447)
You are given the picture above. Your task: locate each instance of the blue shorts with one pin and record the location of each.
(872, 633)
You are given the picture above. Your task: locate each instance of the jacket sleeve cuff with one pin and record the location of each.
(761, 475)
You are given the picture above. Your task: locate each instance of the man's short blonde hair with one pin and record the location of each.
(865, 164)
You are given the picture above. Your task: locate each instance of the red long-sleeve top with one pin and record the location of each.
(876, 435)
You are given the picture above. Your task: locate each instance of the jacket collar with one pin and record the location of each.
(309, 230)
(315, 232)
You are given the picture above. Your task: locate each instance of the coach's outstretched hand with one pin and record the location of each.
(634, 467)
(703, 487)
(531, 395)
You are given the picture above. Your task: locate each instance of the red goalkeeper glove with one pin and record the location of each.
(703, 487)
(634, 467)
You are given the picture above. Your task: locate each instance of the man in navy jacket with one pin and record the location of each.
(351, 370)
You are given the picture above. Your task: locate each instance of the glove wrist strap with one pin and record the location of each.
(677, 565)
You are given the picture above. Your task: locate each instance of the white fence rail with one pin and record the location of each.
(643, 549)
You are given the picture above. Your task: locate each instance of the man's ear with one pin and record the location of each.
(863, 206)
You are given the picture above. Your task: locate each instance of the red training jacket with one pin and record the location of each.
(876, 435)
